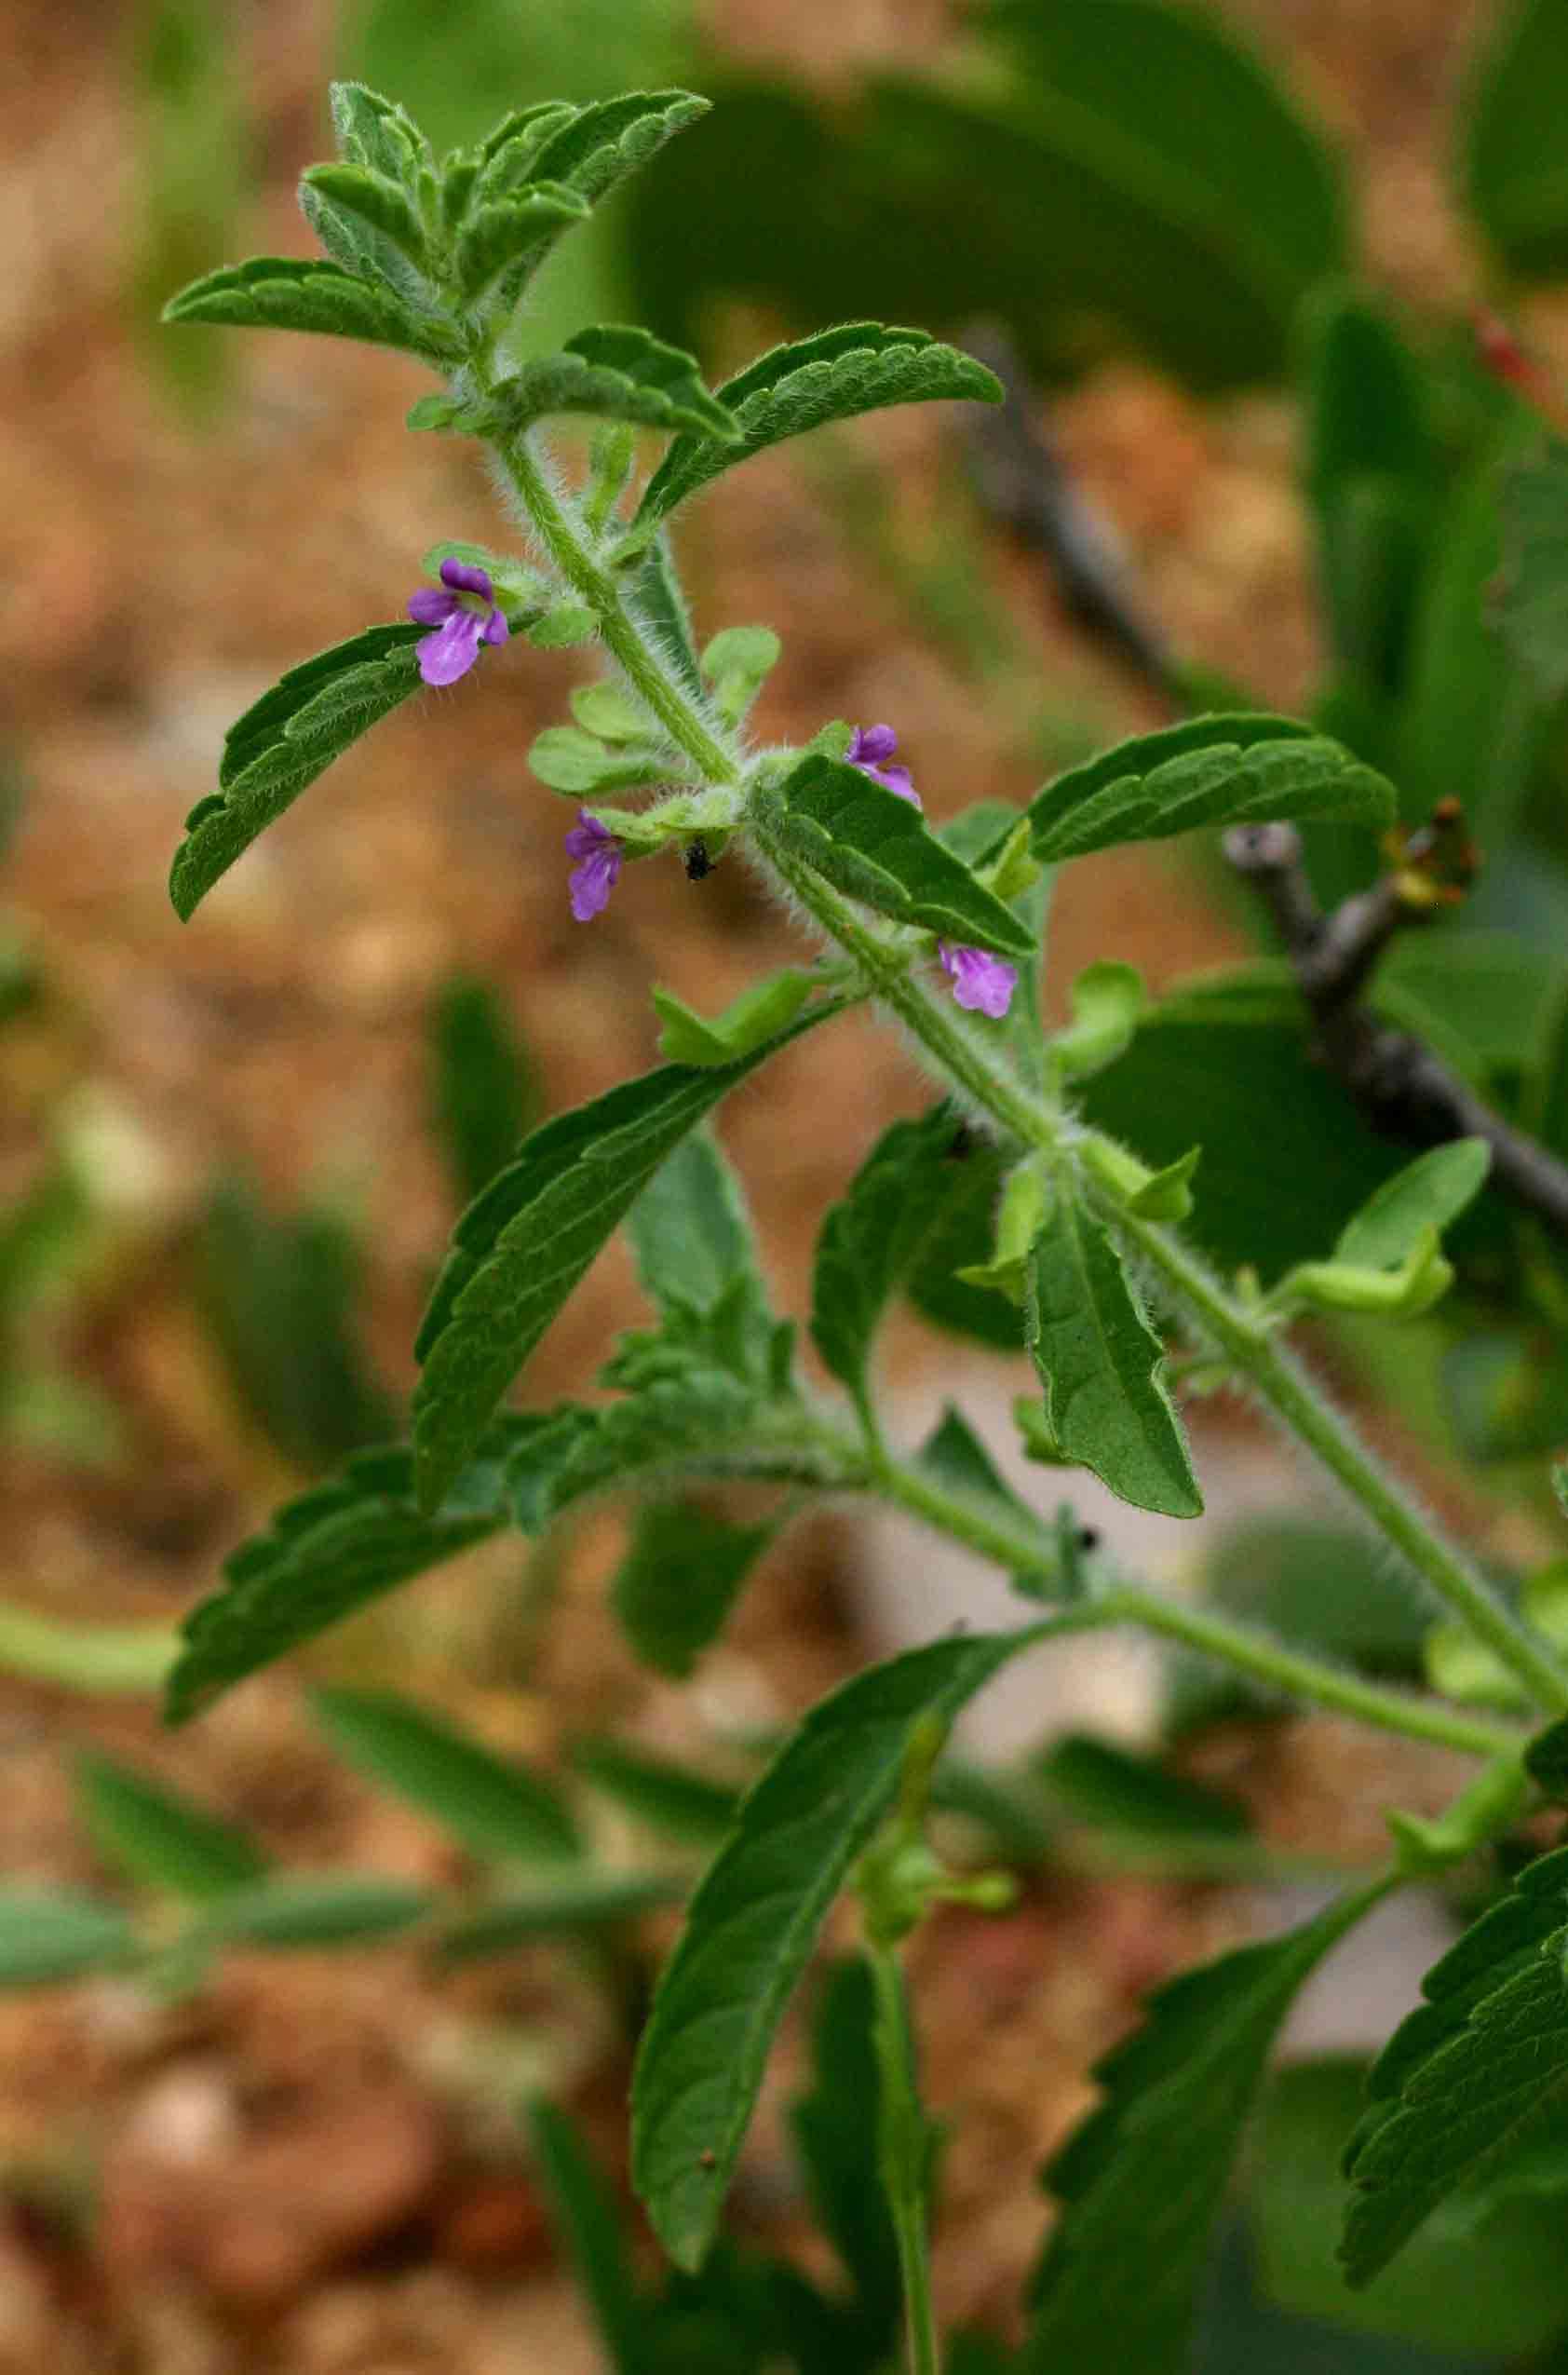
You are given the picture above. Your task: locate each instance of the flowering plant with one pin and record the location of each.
(1072, 1243)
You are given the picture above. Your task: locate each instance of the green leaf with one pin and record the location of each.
(655, 589)
(675, 1588)
(671, 1798)
(1545, 1761)
(689, 1230)
(755, 1016)
(314, 1910)
(156, 1835)
(754, 1921)
(953, 1458)
(1510, 159)
(1427, 1194)
(337, 1548)
(836, 2129)
(611, 138)
(284, 742)
(1467, 2076)
(876, 848)
(871, 1242)
(508, 239)
(563, 624)
(940, 1286)
(373, 201)
(375, 132)
(299, 292)
(1209, 771)
(1100, 1365)
(576, 1897)
(482, 1090)
(569, 760)
(50, 1934)
(1107, 999)
(493, 1806)
(615, 373)
(1530, 596)
(591, 2224)
(737, 663)
(602, 709)
(521, 1248)
(1143, 2181)
(1110, 1789)
(861, 367)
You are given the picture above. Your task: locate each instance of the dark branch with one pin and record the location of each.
(1399, 1086)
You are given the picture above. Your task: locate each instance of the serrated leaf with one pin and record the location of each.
(47, 1935)
(1143, 2181)
(579, 1896)
(305, 292)
(314, 1910)
(766, 1008)
(1427, 1194)
(375, 132)
(159, 1836)
(689, 1230)
(519, 1251)
(872, 1239)
(507, 239)
(861, 367)
(591, 2223)
(873, 846)
(1100, 1365)
(482, 1091)
(375, 201)
(754, 1921)
(1209, 771)
(494, 1806)
(682, 1571)
(611, 138)
(1510, 153)
(337, 1548)
(1468, 2075)
(615, 373)
(671, 1798)
(284, 742)
(1530, 596)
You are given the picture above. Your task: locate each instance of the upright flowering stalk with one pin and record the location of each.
(463, 611)
(982, 983)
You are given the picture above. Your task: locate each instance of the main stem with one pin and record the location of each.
(966, 1062)
(904, 2154)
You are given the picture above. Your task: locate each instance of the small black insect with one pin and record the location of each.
(695, 859)
(961, 1145)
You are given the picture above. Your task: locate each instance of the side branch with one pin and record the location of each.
(1398, 1083)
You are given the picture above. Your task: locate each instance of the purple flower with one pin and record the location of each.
(982, 982)
(460, 630)
(871, 750)
(598, 869)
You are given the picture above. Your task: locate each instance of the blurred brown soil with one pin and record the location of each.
(304, 2166)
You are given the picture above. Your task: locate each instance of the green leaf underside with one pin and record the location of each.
(299, 292)
(872, 1239)
(1100, 1365)
(615, 373)
(158, 1837)
(756, 1915)
(877, 848)
(1209, 771)
(1470, 2073)
(521, 1248)
(47, 1935)
(496, 1808)
(284, 742)
(861, 367)
(679, 1578)
(1141, 2182)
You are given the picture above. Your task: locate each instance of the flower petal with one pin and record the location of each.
(451, 651)
(466, 577)
(871, 745)
(431, 607)
(981, 982)
(586, 836)
(494, 630)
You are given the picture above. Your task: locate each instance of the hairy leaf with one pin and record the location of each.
(509, 239)
(1100, 1365)
(375, 204)
(755, 1015)
(1222, 771)
(873, 846)
(521, 1248)
(675, 1588)
(284, 742)
(157, 1835)
(494, 1806)
(47, 1934)
(300, 292)
(861, 367)
(615, 373)
(954, 1456)
(755, 1916)
(375, 132)
(689, 1230)
(1468, 2075)
(871, 1242)
(1141, 2182)
(604, 141)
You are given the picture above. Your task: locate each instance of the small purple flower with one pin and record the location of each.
(982, 982)
(598, 869)
(460, 630)
(871, 750)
